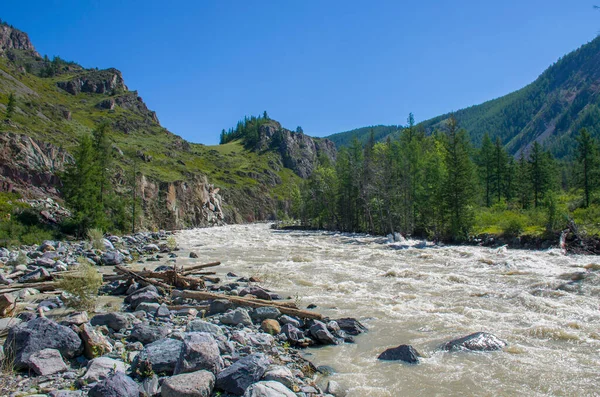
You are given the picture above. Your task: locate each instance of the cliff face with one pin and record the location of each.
(299, 152)
(14, 39)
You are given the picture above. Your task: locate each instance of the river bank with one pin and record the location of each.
(145, 340)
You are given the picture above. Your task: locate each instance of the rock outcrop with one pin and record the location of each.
(108, 81)
(14, 39)
(299, 152)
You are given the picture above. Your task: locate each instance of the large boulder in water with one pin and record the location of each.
(404, 353)
(38, 334)
(479, 341)
(351, 326)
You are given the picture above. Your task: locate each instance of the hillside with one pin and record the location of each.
(553, 108)
(181, 184)
(380, 132)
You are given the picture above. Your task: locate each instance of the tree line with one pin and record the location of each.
(436, 185)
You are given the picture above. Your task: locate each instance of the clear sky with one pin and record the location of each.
(326, 65)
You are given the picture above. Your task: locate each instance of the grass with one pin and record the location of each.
(96, 238)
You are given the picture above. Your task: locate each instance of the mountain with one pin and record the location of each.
(181, 184)
(380, 132)
(551, 110)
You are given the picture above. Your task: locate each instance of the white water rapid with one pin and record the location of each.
(417, 294)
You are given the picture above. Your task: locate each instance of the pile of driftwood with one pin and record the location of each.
(187, 283)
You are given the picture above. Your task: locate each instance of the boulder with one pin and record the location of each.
(47, 362)
(285, 319)
(268, 389)
(143, 296)
(200, 351)
(203, 326)
(40, 274)
(76, 319)
(263, 313)
(100, 368)
(478, 341)
(162, 355)
(321, 334)
(260, 293)
(150, 308)
(116, 385)
(218, 306)
(292, 333)
(271, 327)
(112, 258)
(237, 377)
(281, 374)
(193, 384)
(148, 333)
(404, 353)
(351, 326)
(333, 388)
(38, 334)
(193, 255)
(115, 321)
(235, 317)
(9, 322)
(150, 386)
(94, 343)
(163, 312)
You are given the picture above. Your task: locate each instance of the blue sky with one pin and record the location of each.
(328, 66)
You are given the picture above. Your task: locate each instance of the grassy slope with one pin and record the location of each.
(227, 166)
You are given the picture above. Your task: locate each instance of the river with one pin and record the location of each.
(419, 294)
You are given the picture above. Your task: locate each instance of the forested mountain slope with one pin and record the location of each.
(551, 110)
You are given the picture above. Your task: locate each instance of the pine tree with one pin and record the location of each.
(485, 162)
(500, 166)
(10, 107)
(458, 184)
(587, 156)
(541, 173)
(523, 182)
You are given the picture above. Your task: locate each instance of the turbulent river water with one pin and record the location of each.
(418, 294)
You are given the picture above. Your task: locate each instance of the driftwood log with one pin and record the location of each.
(250, 302)
(194, 269)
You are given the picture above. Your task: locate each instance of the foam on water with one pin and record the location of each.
(410, 292)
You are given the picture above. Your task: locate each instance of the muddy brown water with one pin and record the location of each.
(418, 294)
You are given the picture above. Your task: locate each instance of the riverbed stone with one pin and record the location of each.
(235, 317)
(405, 353)
(257, 291)
(281, 374)
(321, 334)
(271, 326)
(263, 313)
(143, 296)
(100, 368)
(200, 351)
(244, 372)
(115, 321)
(351, 326)
(292, 333)
(333, 388)
(116, 385)
(94, 343)
(218, 306)
(478, 341)
(112, 258)
(47, 362)
(203, 326)
(145, 333)
(162, 355)
(38, 334)
(193, 384)
(285, 319)
(268, 389)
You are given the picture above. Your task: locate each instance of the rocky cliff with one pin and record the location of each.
(14, 39)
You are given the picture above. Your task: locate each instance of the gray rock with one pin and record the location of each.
(285, 319)
(237, 377)
(256, 291)
(235, 317)
(163, 311)
(218, 306)
(151, 248)
(100, 368)
(200, 351)
(40, 274)
(116, 385)
(76, 318)
(479, 341)
(333, 388)
(150, 386)
(321, 334)
(193, 255)
(292, 333)
(280, 374)
(148, 307)
(115, 321)
(112, 258)
(47, 362)
(162, 355)
(148, 333)
(9, 322)
(193, 384)
(66, 393)
(143, 296)
(268, 389)
(203, 326)
(404, 353)
(265, 313)
(351, 326)
(45, 262)
(37, 334)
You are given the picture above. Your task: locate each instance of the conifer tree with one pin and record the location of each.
(10, 107)
(485, 161)
(587, 156)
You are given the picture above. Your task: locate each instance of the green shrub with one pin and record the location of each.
(171, 243)
(82, 286)
(96, 238)
(513, 224)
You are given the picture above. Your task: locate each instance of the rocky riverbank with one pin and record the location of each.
(144, 341)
